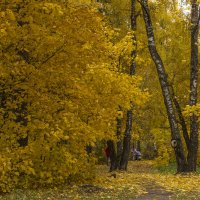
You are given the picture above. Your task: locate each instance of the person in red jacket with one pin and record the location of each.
(107, 154)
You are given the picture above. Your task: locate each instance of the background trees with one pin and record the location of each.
(173, 45)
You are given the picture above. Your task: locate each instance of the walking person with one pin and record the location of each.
(136, 155)
(107, 154)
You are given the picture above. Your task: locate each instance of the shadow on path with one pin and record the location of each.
(154, 192)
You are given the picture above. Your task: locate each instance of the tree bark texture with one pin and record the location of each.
(192, 151)
(175, 134)
(133, 28)
(127, 141)
(119, 143)
(111, 147)
(181, 119)
(128, 131)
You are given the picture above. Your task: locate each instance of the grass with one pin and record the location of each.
(171, 169)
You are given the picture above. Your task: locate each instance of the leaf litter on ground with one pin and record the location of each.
(141, 181)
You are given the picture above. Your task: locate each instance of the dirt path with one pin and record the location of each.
(139, 183)
(154, 192)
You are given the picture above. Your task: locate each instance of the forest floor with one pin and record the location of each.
(141, 182)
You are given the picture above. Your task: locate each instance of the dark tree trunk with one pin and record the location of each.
(175, 134)
(133, 28)
(112, 151)
(192, 151)
(119, 143)
(127, 137)
(127, 141)
(181, 119)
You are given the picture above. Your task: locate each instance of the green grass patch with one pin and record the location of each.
(171, 169)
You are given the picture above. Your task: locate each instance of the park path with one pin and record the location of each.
(140, 182)
(153, 190)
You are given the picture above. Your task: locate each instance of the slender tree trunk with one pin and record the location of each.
(127, 141)
(192, 151)
(119, 143)
(112, 151)
(133, 28)
(181, 119)
(175, 134)
(128, 131)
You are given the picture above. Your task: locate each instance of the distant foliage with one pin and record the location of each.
(163, 147)
(60, 88)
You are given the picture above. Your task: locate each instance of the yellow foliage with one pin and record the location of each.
(192, 110)
(164, 150)
(60, 89)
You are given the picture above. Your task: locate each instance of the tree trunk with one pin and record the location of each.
(127, 137)
(119, 143)
(112, 151)
(127, 141)
(192, 151)
(133, 28)
(181, 119)
(175, 134)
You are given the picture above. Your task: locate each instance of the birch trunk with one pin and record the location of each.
(175, 134)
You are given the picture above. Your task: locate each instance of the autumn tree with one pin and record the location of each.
(59, 90)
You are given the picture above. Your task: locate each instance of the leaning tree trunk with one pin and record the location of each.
(128, 131)
(175, 134)
(192, 151)
(181, 119)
